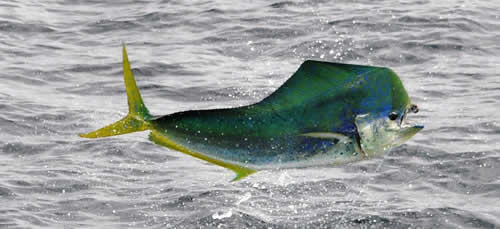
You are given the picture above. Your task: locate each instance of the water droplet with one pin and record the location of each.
(222, 215)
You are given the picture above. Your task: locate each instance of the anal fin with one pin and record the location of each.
(241, 172)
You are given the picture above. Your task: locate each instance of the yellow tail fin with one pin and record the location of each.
(138, 114)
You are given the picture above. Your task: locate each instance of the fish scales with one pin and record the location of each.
(325, 113)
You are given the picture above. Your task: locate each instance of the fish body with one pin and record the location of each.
(326, 113)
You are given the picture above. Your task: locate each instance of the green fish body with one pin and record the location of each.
(326, 113)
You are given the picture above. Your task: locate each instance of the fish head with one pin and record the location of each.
(382, 121)
(379, 132)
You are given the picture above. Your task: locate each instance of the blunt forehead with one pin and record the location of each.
(382, 91)
(400, 98)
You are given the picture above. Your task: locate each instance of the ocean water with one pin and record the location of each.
(61, 76)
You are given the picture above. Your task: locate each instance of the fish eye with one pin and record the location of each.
(414, 108)
(393, 116)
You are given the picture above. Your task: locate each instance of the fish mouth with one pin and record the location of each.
(407, 130)
(407, 133)
(407, 123)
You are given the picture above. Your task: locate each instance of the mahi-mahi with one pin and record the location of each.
(325, 113)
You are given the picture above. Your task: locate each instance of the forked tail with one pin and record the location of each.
(138, 114)
(139, 119)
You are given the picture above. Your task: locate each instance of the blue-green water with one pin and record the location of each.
(61, 75)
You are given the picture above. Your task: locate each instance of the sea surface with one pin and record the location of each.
(61, 75)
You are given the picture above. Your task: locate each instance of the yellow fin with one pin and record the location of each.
(126, 125)
(241, 172)
(138, 115)
(136, 105)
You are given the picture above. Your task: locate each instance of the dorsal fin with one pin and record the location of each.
(315, 80)
(325, 97)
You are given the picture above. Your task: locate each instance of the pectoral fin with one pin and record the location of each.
(241, 172)
(340, 137)
(328, 135)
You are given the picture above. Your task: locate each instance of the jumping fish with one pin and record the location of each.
(326, 113)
